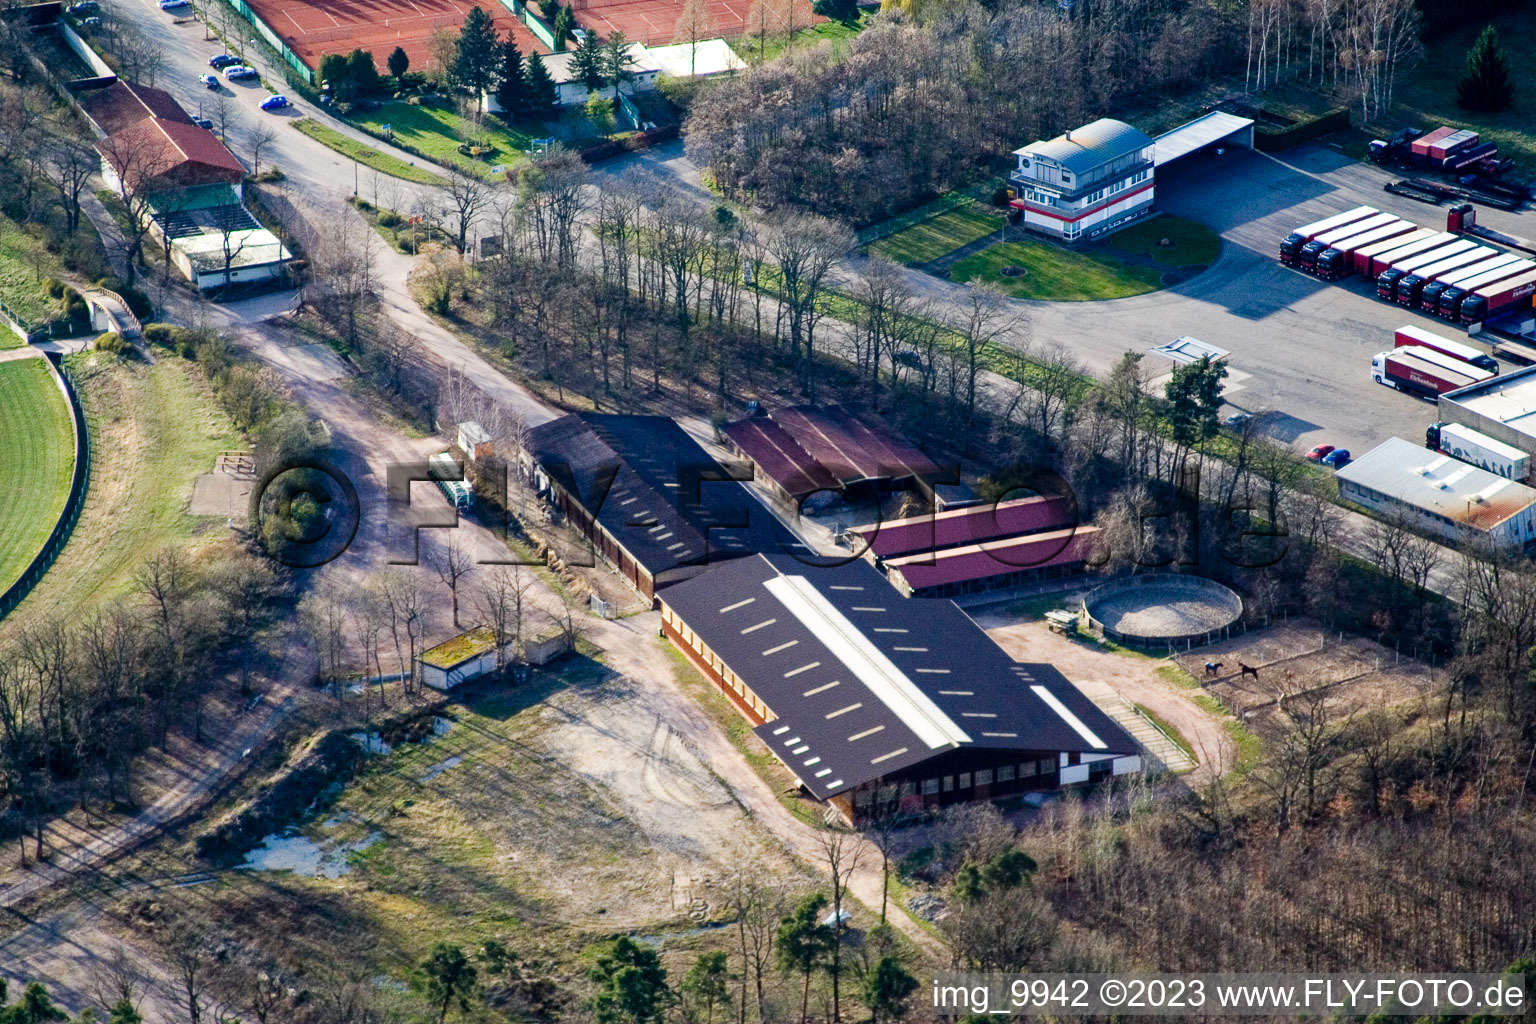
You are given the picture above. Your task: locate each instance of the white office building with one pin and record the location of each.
(1085, 183)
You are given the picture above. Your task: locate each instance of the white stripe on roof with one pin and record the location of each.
(781, 647)
(1067, 716)
(886, 757)
(844, 588)
(760, 625)
(813, 691)
(866, 732)
(849, 645)
(958, 693)
(865, 608)
(738, 604)
(844, 711)
(917, 650)
(802, 668)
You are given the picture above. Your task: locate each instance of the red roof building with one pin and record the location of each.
(170, 153)
(995, 565)
(122, 104)
(972, 525)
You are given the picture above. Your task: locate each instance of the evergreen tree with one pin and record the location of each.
(363, 72)
(708, 981)
(447, 977)
(618, 62)
(565, 24)
(589, 64)
(511, 90)
(399, 63)
(478, 57)
(1486, 86)
(1194, 400)
(802, 945)
(632, 984)
(838, 10)
(539, 93)
(887, 989)
(124, 1012)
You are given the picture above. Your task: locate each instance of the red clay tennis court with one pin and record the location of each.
(654, 22)
(314, 28)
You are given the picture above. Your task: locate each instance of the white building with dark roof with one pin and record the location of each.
(1085, 183)
(856, 688)
(1440, 494)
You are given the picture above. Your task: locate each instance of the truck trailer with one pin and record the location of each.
(1478, 449)
(1306, 257)
(1386, 281)
(1381, 261)
(1365, 254)
(1416, 372)
(1407, 336)
(1410, 285)
(1338, 260)
(1451, 298)
(1507, 296)
(1429, 298)
(1291, 245)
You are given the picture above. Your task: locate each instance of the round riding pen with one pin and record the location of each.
(1162, 610)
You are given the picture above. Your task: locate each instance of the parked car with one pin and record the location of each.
(1238, 420)
(91, 22)
(83, 7)
(1337, 459)
(222, 61)
(211, 81)
(235, 72)
(1319, 453)
(173, 5)
(203, 122)
(274, 103)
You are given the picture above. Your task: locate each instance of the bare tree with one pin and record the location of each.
(807, 250)
(342, 268)
(257, 139)
(452, 563)
(466, 197)
(502, 595)
(694, 22)
(841, 849)
(70, 165)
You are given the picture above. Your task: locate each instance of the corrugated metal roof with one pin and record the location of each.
(996, 558)
(1085, 148)
(971, 525)
(862, 682)
(779, 456)
(1438, 484)
(1200, 132)
(1509, 399)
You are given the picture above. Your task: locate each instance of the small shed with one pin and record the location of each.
(544, 646)
(467, 656)
(475, 442)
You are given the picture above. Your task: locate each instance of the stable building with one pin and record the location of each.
(649, 499)
(857, 689)
(981, 548)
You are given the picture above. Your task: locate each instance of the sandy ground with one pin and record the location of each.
(1133, 675)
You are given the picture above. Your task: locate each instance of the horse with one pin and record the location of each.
(1248, 670)
(1213, 667)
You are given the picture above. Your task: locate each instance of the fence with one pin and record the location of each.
(534, 22)
(45, 558)
(273, 40)
(1267, 140)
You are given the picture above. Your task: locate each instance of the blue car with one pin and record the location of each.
(1337, 459)
(222, 61)
(274, 103)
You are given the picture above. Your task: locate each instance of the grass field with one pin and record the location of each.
(1054, 273)
(364, 153)
(838, 33)
(24, 262)
(35, 434)
(154, 429)
(1426, 98)
(436, 133)
(939, 236)
(1193, 244)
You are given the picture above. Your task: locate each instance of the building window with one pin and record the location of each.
(1047, 767)
(965, 780)
(1071, 229)
(1027, 769)
(984, 777)
(930, 787)
(1005, 773)
(949, 783)
(862, 798)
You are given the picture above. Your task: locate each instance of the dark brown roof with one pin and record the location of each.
(122, 104)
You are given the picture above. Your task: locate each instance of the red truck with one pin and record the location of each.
(1338, 260)
(1290, 246)
(1382, 260)
(1408, 336)
(1366, 255)
(1423, 372)
(1507, 296)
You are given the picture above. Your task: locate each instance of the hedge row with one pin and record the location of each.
(1267, 140)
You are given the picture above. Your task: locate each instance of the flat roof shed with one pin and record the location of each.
(1214, 128)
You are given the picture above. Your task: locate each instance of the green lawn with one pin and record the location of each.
(1426, 98)
(1055, 273)
(1193, 244)
(939, 236)
(24, 262)
(364, 153)
(435, 133)
(153, 430)
(34, 476)
(838, 33)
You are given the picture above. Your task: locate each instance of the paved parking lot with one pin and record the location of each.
(1304, 344)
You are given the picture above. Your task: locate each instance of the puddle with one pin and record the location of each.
(371, 742)
(441, 767)
(303, 856)
(656, 940)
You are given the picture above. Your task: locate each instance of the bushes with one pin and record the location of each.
(113, 344)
